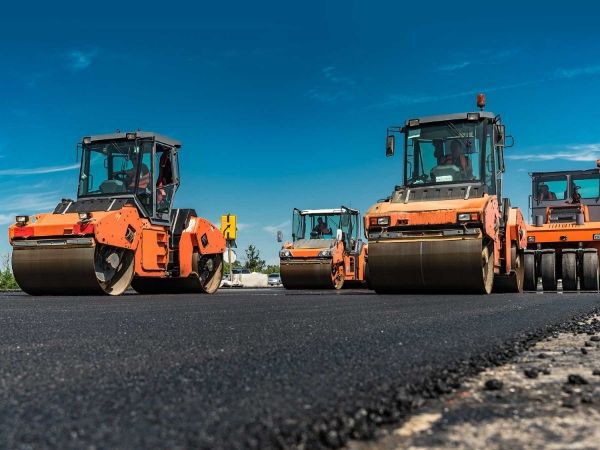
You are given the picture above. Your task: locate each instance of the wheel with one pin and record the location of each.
(487, 269)
(589, 271)
(530, 277)
(569, 271)
(548, 270)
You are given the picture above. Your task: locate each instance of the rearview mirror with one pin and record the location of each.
(279, 236)
(500, 135)
(390, 145)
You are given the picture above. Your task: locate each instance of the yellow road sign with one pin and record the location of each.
(228, 226)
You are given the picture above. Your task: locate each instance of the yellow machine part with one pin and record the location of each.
(458, 265)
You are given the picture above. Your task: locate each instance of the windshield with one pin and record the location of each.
(324, 225)
(445, 152)
(112, 167)
(588, 186)
(551, 188)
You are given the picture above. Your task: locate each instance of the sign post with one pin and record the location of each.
(229, 230)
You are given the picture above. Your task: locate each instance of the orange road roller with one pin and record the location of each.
(325, 252)
(122, 230)
(564, 237)
(447, 227)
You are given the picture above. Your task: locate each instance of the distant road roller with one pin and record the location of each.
(326, 251)
(447, 228)
(564, 237)
(122, 229)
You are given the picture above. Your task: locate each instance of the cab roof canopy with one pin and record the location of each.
(128, 135)
(327, 211)
(448, 117)
(566, 172)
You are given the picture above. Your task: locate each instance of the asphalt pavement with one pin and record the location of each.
(243, 369)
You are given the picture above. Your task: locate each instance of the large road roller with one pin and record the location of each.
(447, 228)
(564, 237)
(122, 229)
(326, 251)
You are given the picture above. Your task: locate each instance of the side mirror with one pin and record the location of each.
(510, 143)
(339, 235)
(279, 236)
(390, 145)
(500, 135)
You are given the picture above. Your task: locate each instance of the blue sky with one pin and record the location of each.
(281, 104)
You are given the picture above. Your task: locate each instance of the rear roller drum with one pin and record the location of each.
(589, 271)
(548, 269)
(530, 277)
(207, 272)
(569, 271)
(487, 270)
(338, 278)
(513, 282)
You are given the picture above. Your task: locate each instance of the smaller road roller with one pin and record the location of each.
(121, 230)
(564, 237)
(447, 228)
(326, 251)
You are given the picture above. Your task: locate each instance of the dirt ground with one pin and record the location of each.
(548, 398)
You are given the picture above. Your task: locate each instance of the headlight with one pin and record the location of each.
(285, 254)
(381, 221)
(465, 217)
(85, 216)
(22, 220)
(530, 238)
(325, 253)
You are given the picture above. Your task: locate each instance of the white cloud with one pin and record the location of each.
(577, 71)
(244, 226)
(39, 170)
(273, 229)
(454, 66)
(80, 60)
(580, 153)
(337, 87)
(27, 203)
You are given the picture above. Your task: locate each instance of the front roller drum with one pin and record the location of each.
(73, 270)
(452, 265)
(310, 275)
(207, 272)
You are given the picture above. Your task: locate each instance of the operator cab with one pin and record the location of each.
(123, 167)
(563, 192)
(447, 155)
(319, 228)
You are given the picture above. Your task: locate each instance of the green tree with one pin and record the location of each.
(253, 261)
(7, 279)
(227, 267)
(271, 269)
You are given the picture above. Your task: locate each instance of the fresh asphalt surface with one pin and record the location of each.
(219, 371)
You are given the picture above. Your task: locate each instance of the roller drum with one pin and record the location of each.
(72, 270)
(455, 265)
(307, 274)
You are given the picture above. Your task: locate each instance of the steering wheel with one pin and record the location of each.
(121, 176)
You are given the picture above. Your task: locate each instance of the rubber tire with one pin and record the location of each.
(548, 270)
(569, 271)
(530, 277)
(589, 272)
